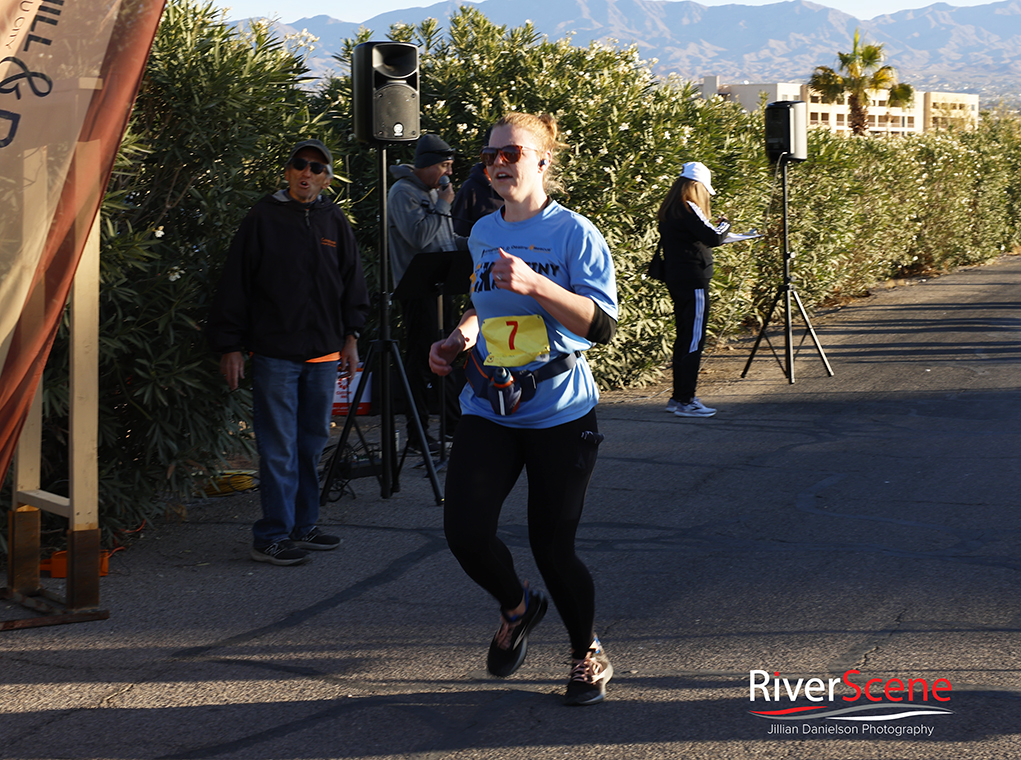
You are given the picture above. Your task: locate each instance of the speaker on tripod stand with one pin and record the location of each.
(786, 131)
(384, 92)
(385, 102)
(786, 128)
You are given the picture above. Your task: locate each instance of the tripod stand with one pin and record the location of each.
(383, 349)
(787, 291)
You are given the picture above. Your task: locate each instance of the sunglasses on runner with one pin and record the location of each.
(316, 167)
(511, 154)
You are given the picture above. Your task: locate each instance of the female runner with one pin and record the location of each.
(543, 292)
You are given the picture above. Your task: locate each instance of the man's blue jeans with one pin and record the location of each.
(292, 402)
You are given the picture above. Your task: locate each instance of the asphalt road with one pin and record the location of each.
(863, 522)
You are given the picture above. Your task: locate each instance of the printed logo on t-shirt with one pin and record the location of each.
(482, 278)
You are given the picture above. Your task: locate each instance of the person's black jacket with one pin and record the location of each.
(475, 199)
(688, 240)
(292, 287)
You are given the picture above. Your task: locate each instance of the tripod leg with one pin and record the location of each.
(762, 333)
(331, 469)
(815, 338)
(426, 457)
(788, 336)
(389, 483)
(442, 385)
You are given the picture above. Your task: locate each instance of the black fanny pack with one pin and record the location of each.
(507, 389)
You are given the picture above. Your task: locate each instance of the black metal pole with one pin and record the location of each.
(387, 443)
(787, 256)
(442, 384)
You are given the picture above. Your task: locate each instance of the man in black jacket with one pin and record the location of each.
(293, 295)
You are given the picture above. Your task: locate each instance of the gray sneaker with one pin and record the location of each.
(694, 408)
(589, 676)
(280, 553)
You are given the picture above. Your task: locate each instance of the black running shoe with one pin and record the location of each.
(510, 644)
(589, 677)
(316, 540)
(280, 553)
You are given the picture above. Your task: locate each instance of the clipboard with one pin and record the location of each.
(732, 238)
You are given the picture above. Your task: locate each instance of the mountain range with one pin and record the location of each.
(939, 47)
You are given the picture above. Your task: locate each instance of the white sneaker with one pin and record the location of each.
(673, 405)
(694, 408)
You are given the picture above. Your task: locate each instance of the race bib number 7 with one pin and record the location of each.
(515, 341)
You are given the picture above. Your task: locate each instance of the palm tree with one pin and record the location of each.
(860, 73)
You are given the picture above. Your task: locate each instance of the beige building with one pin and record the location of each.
(930, 110)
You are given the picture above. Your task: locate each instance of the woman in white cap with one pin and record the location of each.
(687, 238)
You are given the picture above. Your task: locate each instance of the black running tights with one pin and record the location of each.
(485, 462)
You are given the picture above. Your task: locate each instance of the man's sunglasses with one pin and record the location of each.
(316, 167)
(511, 154)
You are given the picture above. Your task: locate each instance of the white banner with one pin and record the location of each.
(69, 71)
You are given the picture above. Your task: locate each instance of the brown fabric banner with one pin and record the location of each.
(69, 73)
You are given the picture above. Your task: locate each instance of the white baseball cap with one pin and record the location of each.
(700, 173)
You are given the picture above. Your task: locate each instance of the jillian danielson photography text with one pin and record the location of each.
(855, 729)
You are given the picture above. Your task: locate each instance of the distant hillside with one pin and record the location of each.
(975, 49)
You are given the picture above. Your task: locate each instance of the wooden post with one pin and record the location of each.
(24, 521)
(23, 551)
(83, 535)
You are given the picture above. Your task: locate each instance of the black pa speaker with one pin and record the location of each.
(787, 130)
(384, 84)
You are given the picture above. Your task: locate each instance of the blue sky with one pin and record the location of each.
(350, 10)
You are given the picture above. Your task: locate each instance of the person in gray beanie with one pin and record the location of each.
(418, 210)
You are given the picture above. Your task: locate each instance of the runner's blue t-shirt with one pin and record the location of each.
(566, 248)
